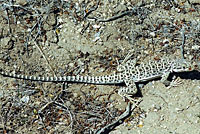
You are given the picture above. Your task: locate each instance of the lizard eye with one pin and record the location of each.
(195, 66)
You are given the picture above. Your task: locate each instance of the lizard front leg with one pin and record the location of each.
(175, 81)
(164, 79)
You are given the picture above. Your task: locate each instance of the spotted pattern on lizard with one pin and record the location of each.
(128, 73)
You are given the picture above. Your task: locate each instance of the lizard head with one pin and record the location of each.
(183, 65)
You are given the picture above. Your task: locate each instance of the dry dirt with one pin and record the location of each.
(65, 38)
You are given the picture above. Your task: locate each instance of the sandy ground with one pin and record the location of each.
(72, 46)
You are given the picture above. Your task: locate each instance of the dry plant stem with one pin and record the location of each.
(6, 11)
(126, 114)
(2, 122)
(85, 28)
(39, 23)
(183, 42)
(38, 33)
(130, 53)
(124, 13)
(114, 17)
(44, 107)
(60, 105)
(45, 59)
(110, 127)
(67, 109)
(27, 38)
(182, 33)
(92, 9)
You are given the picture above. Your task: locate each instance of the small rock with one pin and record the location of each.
(25, 99)
(80, 63)
(165, 41)
(96, 26)
(6, 43)
(196, 47)
(97, 37)
(152, 34)
(22, 2)
(71, 64)
(1, 93)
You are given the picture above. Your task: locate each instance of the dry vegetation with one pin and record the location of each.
(30, 36)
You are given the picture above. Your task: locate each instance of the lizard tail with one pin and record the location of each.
(107, 79)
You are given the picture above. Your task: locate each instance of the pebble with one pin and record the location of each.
(152, 34)
(5, 42)
(196, 47)
(25, 99)
(22, 2)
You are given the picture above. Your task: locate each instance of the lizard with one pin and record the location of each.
(128, 73)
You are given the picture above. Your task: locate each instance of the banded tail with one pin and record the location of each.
(107, 79)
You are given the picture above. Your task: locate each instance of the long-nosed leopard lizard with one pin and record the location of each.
(127, 73)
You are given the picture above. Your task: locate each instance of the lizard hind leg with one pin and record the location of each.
(130, 90)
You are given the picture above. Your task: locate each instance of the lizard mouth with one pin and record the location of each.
(190, 68)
